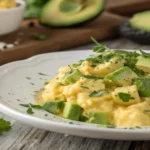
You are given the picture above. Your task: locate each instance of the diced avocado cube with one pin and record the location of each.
(83, 118)
(143, 64)
(143, 85)
(122, 76)
(72, 111)
(71, 78)
(54, 107)
(98, 117)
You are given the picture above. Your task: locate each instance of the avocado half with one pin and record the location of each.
(137, 28)
(63, 13)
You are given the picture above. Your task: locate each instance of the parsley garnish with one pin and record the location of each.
(97, 93)
(94, 59)
(111, 126)
(40, 37)
(147, 110)
(125, 97)
(84, 87)
(30, 111)
(99, 48)
(46, 83)
(42, 74)
(144, 54)
(4, 125)
(31, 105)
(92, 77)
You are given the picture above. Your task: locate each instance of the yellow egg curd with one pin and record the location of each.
(5, 4)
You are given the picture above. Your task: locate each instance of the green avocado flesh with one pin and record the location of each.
(122, 76)
(70, 12)
(143, 64)
(143, 85)
(98, 117)
(141, 21)
(72, 111)
(54, 107)
(71, 77)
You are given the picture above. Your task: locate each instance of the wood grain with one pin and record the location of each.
(24, 137)
(103, 27)
(127, 7)
(59, 39)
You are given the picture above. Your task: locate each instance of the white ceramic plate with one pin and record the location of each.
(19, 81)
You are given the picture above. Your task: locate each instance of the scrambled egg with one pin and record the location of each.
(4, 4)
(131, 113)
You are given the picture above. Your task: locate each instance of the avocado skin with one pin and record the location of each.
(54, 107)
(78, 24)
(72, 111)
(138, 36)
(143, 85)
(98, 117)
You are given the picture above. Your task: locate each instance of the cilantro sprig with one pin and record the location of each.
(4, 125)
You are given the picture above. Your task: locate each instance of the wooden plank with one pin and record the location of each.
(104, 27)
(127, 7)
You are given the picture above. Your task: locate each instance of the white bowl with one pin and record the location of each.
(10, 19)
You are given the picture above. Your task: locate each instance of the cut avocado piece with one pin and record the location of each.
(83, 118)
(98, 117)
(143, 85)
(137, 28)
(122, 76)
(71, 77)
(143, 64)
(141, 21)
(54, 107)
(61, 13)
(72, 111)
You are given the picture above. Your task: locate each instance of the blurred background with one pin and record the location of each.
(31, 27)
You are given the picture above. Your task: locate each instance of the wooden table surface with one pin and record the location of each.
(24, 137)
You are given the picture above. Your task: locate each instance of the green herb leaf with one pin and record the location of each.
(97, 93)
(125, 97)
(144, 54)
(147, 110)
(31, 105)
(84, 87)
(42, 74)
(30, 111)
(99, 48)
(46, 83)
(40, 37)
(71, 70)
(94, 59)
(111, 126)
(4, 125)
(92, 77)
